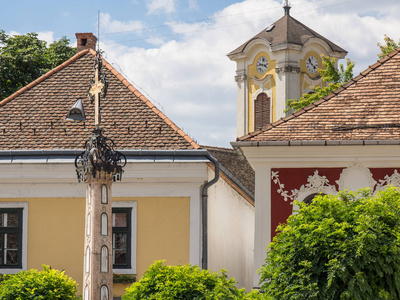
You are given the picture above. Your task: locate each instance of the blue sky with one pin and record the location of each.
(175, 50)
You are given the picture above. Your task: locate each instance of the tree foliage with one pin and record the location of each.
(185, 282)
(339, 247)
(23, 58)
(47, 284)
(388, 47)
(330, 75)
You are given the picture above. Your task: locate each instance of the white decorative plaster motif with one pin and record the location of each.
(316, 183)
(393, 179)
(352, 178)
(355, 177)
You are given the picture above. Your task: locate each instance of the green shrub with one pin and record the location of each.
(185, 282)
(338, 247)
(48, 284)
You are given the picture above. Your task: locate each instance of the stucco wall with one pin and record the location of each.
(230, 233)
(56, 233)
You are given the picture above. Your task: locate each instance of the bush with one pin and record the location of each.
(338, 247)
(185, 282)
(48, 284)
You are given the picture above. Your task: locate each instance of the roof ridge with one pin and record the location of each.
(334, 93)
(44, 76)
(143, 98)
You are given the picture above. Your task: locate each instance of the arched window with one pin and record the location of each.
(86, 297)
(104, 224)
(104, 259)
(104, 293)
(261, 111)
(104, 194)
(310, 198)
(87, 260)
(88, 225)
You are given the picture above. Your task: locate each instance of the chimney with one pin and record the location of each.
(85, 40)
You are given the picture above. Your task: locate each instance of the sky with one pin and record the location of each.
(174, 51)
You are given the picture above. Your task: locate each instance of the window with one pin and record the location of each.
(121, 226)
(311, 197)
(261, 111)
(11, 238)
(124, 237)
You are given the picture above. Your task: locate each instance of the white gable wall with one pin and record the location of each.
(230, 233)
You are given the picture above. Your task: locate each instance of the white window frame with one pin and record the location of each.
(133, 205)
(24, 206)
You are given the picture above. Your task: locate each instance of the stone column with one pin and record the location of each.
(98, 272)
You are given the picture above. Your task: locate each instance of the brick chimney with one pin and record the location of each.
(85, 40)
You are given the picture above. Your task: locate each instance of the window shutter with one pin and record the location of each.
(261, 111)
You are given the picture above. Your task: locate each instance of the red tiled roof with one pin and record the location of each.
(287, 30)
(366, 108)
(34, 116)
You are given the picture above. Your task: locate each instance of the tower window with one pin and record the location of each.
(261, 111)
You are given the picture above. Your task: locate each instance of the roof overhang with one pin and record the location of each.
(314, 143)
(279, 154)
(68, 156)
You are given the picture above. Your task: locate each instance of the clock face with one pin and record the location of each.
(312, 64)
(262, 64)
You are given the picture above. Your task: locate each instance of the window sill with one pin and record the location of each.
(124, 278)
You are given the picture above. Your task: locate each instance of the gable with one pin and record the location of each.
(34, 117)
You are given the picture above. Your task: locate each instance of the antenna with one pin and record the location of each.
(98, 30)
(286, 7)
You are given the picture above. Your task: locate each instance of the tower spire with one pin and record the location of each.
(286, 7)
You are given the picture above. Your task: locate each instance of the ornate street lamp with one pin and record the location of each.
(98, 166)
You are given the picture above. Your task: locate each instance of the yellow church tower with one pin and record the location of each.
(277, 64)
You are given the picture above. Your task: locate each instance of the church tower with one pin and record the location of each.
(277, 64)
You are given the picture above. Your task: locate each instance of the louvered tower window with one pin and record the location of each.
(261, 111)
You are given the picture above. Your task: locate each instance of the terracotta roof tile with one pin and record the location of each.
(34, 116)
(236, 164)
(366, 108)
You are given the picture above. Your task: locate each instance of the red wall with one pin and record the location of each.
(294, 178)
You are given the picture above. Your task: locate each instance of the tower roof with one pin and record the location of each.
(287, 30)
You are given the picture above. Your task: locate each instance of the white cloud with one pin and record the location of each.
(194, 80)
(193, 4)
(107, 25)
(160, 6)
(47, 36)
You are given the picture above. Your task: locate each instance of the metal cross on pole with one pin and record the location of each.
(98, 166)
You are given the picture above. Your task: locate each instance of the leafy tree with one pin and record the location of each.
(339, 247)
(185, 282)
(23, 58)
(389, 46)
(334, 77)
(48, 284)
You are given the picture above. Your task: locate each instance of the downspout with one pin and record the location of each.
(204, 211)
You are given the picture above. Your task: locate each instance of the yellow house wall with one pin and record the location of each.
(56, 233)
(254, 86)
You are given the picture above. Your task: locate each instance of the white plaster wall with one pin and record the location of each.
(230, 233)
